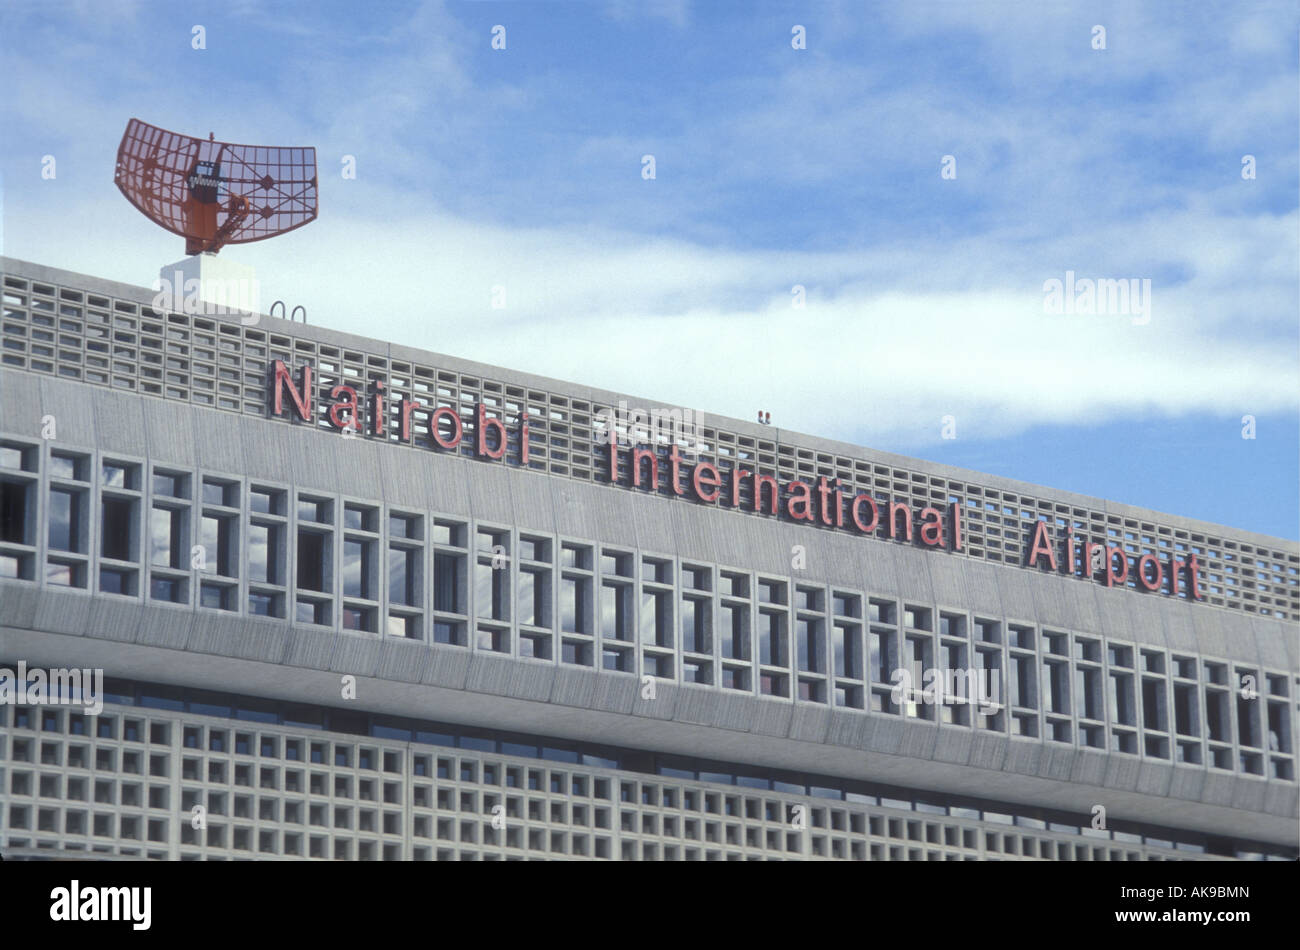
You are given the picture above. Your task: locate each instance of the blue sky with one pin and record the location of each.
(774, 167)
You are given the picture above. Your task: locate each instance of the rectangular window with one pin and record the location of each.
(1279, 728)
(1247, 721)
(574, 592)
(771, 640)
(403, 569)
(216, 492)
(67, 466)
(120, 475)
(14, 455)
(217, 535)
(166, 537)
(357, 569)
(884, 656)
(115, 527)
(13, 513)
(812, 652)
(167, 485)
(533, 597)
(358, 618)
(490, 590)
(450, 533)
(263, 541)
(1022, 682)
(214, 597)
(1056, 678)
(695, 631)
(447, 570)
(313, 563)
(65, 519)
(268, 501)
(734, 629)
(357, 518)
(656, 618)
(1217, 715)
(1087, 685)
(615, 619)
(1121, 700)
(848, 661)
(1185, 709)
(1153, 704)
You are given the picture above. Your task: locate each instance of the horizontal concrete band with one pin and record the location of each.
(305, 458)
(432, 682)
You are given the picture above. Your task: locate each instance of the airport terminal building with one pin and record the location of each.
(356, 600)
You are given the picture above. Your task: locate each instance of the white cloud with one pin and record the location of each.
(902, 327)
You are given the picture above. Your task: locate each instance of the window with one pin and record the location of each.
(574, 593)
(616, 563)
(489, 590)
(267, 540)
(220, 493)
(695, 625)
(115, 528)
(119, 530)
(357, 556)
(533, 597)
(616, 611)
(403, 571)
(1056, 690)
(14, 521)
(17, 456)
(734, 631)
(121, 475)
(170, 485)
(812, 651)
(656, 618)
(1217, 715)
(735, 585)
(1121, 699)
(405, 575)
(1087, 686)
(1022, 682)
(1153, 704)
(359, 518)
(167, 537)
(266, 501)
(615, 619)
(66, 514)
(17, 523)
(884, 660)
(771, 592)
(263, 540)
(771, 640)
(449, 583)
(359, 569)
(217, 537)
(848, 659)
(169, 555)
(446, 582)
(1185, 711)
(575, 556)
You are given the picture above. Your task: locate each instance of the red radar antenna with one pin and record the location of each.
(215, 193)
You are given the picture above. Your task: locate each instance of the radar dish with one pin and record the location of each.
(215, 193)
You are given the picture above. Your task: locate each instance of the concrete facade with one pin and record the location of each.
(668, 651)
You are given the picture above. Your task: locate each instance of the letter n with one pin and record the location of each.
(304, 402)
